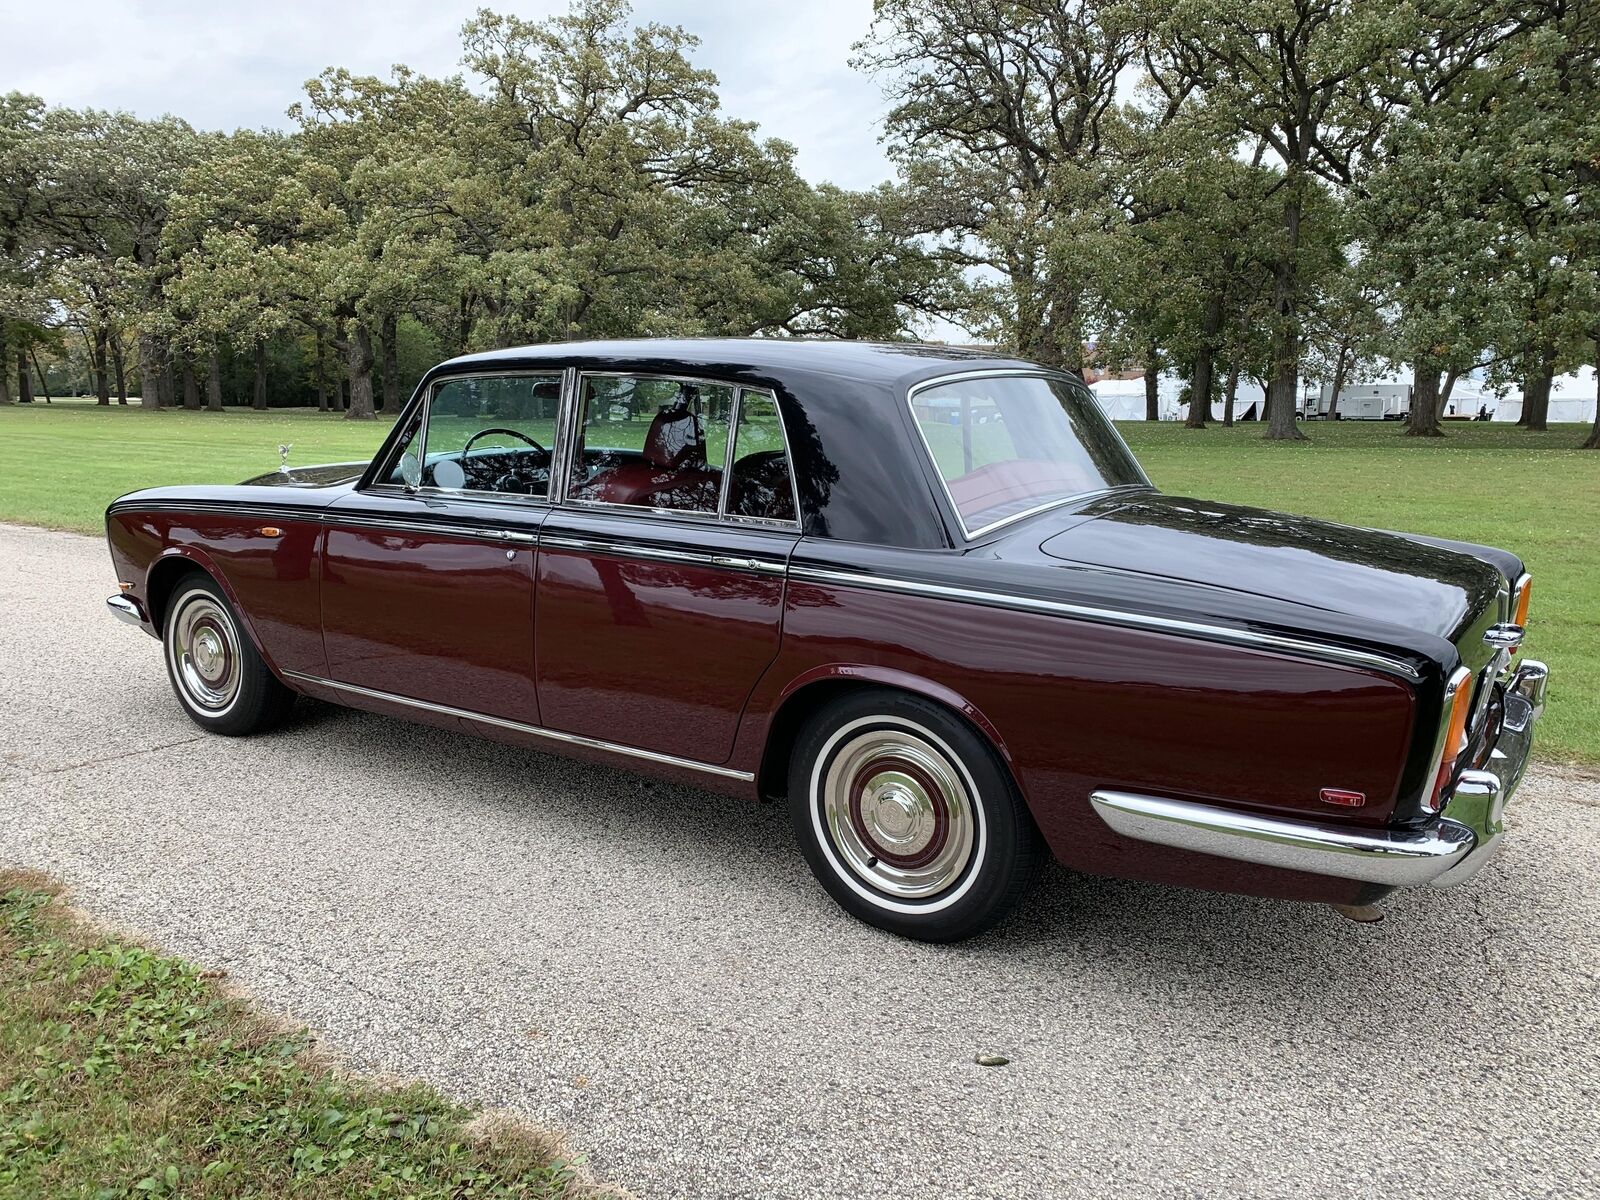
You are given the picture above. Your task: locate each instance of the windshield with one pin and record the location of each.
(1008, 444)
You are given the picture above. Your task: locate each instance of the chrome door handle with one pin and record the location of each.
(738, 564)
(507, 535)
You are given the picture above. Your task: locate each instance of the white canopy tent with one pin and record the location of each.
(1123, 399)
(1572, 399)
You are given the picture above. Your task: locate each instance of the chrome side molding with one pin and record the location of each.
(1399, 858)
(539, 731)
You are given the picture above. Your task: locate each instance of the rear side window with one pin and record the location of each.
(761, 483)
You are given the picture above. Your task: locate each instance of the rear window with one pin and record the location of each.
(1008, 444)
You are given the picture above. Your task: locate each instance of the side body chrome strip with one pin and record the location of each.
(554, 735)
(1106, 616)
(559, 541)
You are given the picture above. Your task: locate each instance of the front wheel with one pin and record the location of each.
(218, 676)
(908, 819)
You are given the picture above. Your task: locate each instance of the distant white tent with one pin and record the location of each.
(1572, 399)
(1123, 399)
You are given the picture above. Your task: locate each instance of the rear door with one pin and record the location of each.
(661, 578)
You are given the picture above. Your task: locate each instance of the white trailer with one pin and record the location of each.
(1363, 402)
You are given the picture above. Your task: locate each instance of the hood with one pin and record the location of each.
(1380, 577)
(324, 475)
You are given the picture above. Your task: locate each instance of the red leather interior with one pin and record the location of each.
(672, 471)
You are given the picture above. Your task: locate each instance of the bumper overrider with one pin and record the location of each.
(1451, 848)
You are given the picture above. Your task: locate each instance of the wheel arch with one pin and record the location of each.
(816, 689)
(161, 580)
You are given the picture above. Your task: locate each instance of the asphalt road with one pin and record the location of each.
(652, 969)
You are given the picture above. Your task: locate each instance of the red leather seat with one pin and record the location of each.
(672, 471)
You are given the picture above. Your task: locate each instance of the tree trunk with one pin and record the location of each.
(24, 380)
(1423, 420)
(120, 367)
(1152, 386)
(391, 364)
(1281, 424)
(258, 398)
(359, 359)
(1450, 377)
(214, 381)
(1341, 368)
(1536, 390)
(322, 372)
(102, 374)
(44, 384)
(1231, 396)
(1593, 442)
(1203, 381)
(5, 383)
(191, 385)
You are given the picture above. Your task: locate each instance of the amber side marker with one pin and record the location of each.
(270, 531)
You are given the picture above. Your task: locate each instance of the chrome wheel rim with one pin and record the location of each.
(899, 813)
(204, 650)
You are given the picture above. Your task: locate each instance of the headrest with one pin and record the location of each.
(676, 439)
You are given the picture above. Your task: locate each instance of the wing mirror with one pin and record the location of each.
(411, 472)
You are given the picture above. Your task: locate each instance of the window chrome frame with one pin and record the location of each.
(1008, 373)
(433, 491)
(719, 517)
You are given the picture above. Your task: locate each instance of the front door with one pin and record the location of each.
(427, 592)
(661, 579)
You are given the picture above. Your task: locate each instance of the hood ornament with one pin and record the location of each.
(283, 456)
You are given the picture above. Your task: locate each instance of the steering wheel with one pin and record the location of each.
(483, 433)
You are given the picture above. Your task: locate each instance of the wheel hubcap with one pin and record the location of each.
(899, 813)
(205, 653)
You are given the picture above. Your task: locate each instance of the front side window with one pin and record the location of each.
(1005, 444)
(651, 443)
(487, 434)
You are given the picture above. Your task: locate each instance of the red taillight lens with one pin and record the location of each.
(1453, 739)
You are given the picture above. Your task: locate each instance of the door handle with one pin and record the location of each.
(507, 535)
(738, 564)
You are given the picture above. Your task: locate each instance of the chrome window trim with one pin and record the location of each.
(1105, 616)
(721, 514)
(1006, 373)
(544, 501)
(572, 739)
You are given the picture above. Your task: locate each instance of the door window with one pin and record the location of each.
(651, 442)
(488, 434)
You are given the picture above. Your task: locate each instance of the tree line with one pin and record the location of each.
(1267, 189)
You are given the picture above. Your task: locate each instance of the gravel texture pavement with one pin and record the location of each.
(651, 968)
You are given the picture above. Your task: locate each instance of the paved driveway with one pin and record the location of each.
(653, 970)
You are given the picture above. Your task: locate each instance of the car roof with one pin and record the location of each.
(878, 362)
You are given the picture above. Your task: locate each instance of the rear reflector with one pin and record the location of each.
(1343, 798)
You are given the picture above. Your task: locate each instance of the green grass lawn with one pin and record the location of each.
(1532, 493)
(129, 1075)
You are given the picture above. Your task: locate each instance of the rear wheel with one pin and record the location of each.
(908, 819)
(218, 676)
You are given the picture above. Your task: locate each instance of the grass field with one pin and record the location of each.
(1530, 492)
(126, 1074)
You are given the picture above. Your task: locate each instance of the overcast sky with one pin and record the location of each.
(222, 65)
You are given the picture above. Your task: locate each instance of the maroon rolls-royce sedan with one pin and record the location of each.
(926, 595)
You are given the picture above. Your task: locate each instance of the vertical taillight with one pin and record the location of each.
(1452, 734)
(1520, 599)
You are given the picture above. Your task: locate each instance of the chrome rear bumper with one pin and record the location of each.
(1450, 849)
